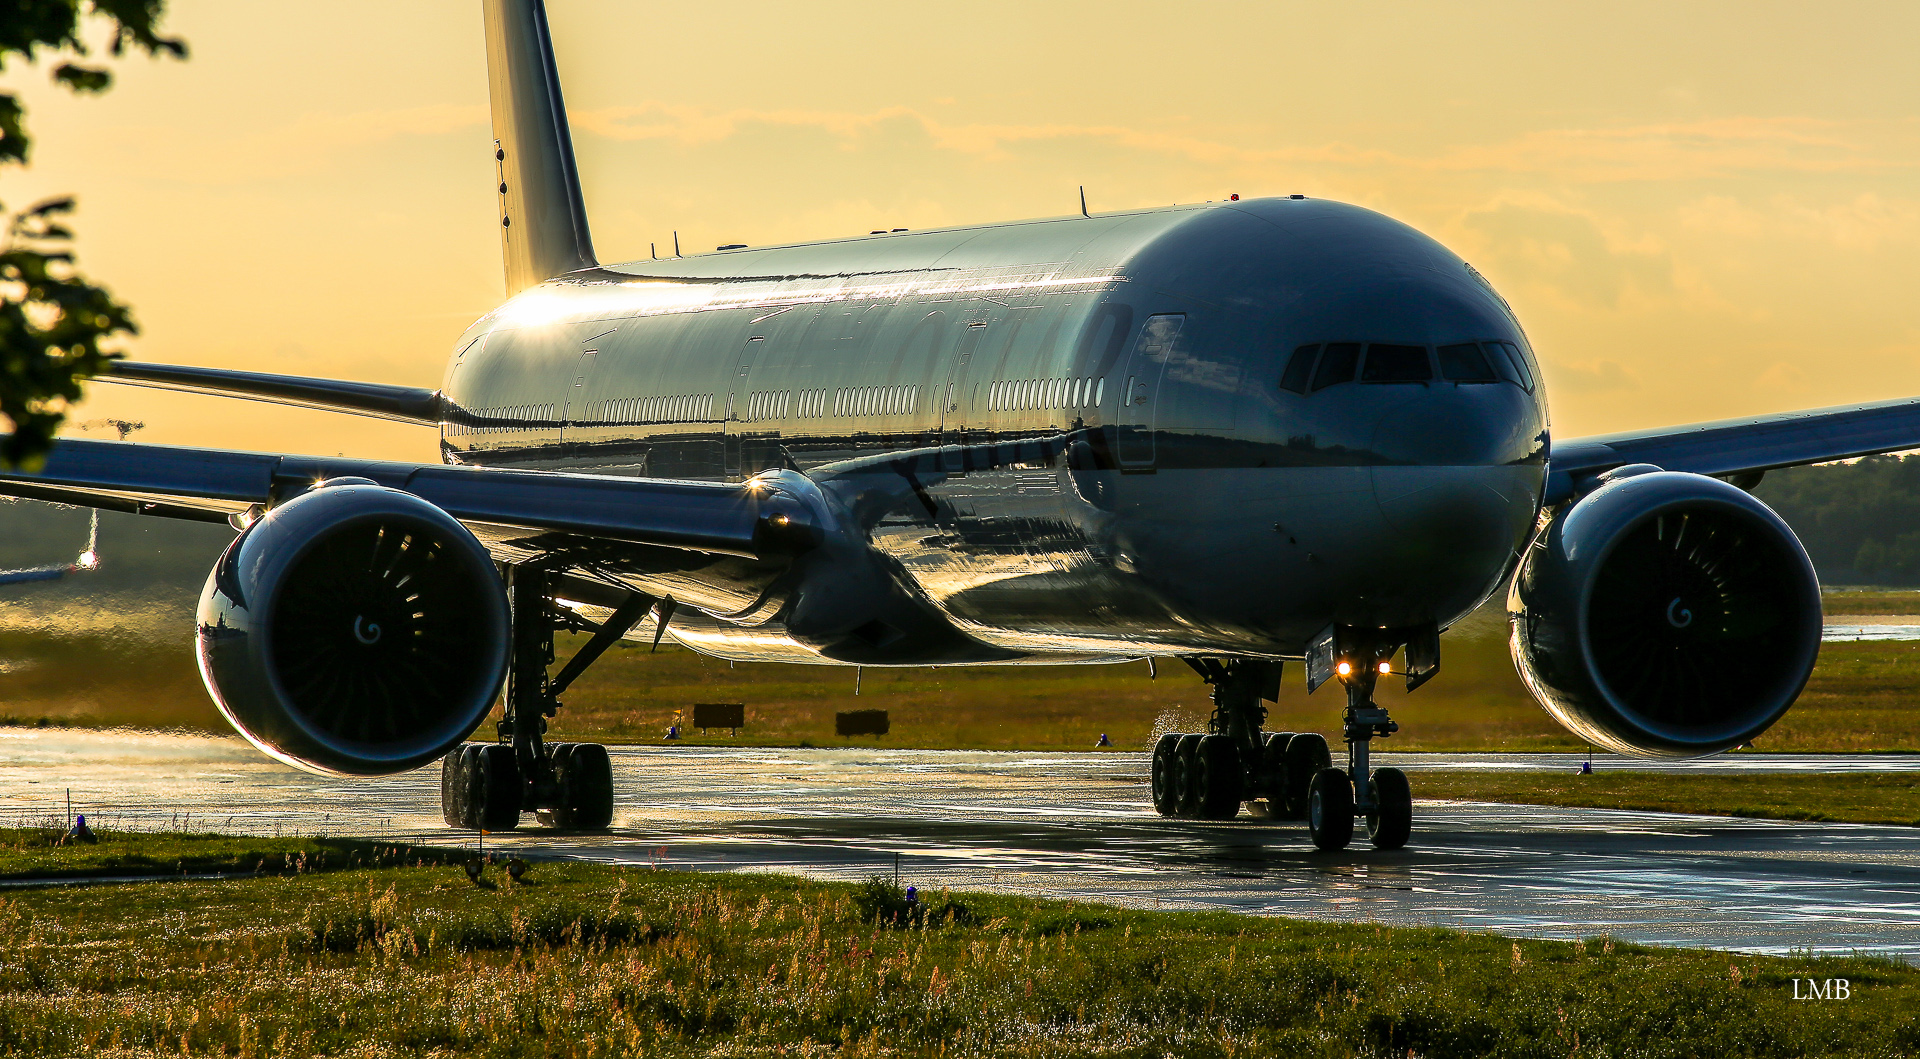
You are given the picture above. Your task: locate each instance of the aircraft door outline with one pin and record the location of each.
(737, 393)
(574, 402)
(1136, 444)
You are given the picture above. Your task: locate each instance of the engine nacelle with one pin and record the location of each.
(1666, 615)
(354, 630)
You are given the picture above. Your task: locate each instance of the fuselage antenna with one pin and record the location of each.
(676, 244)
(653, 253)
(1083, 201)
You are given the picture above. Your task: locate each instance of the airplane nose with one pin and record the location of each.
(1457, 482)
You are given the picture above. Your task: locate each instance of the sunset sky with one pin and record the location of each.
(1698, 210)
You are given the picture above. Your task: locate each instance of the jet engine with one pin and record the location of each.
(354, 630)
(1665, 615)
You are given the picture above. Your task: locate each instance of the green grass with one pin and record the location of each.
(1871, 601)
(590, 960)
(1857, 798)
(40, 853)
(1859, 698)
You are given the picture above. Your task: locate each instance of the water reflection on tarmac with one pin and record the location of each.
(1079, 826)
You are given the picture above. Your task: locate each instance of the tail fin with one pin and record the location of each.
(543, 222)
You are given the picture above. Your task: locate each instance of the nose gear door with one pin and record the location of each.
(1140, 395)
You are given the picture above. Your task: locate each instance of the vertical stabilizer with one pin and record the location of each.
(543, 222)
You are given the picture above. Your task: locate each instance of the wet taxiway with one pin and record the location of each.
(1078, 826)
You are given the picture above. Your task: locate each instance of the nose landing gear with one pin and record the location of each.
(1286, 775)
(1381, 798)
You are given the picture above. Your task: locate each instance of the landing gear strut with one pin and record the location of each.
(1208, 776)
(1287, 775)
(1380, 797)
(486, 787)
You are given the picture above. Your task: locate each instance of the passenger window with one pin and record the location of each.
(1511, 364)
(1299, 369)
(1465, 363)
(1396, 364)
(1337, 364)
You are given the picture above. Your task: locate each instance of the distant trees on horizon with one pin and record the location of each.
(1860, 521)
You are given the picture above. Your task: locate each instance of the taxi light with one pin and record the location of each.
(1344, 669)
(1386, 667)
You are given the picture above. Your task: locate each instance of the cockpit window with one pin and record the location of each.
(1299, 369)
(1396, 364)
(1337, 364)
(1465, 363)
(1511, 363)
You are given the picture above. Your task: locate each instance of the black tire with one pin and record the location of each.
(1392, 817)
(1221, 778)
(453, 787)
(1307, 755)
(470, 794)
(1330, 809)
(1186, 755)
(552, 815)
(1271, 783)
(499, 791)
(1165, 782)
(586, 788)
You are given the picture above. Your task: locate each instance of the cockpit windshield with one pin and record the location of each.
(1315, 367)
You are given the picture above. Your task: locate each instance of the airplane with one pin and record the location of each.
(1241, 433)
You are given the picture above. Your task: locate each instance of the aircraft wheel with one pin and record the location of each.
(552, 815)
(453, 785)
(1392, 818)
(1273, 772)
(1166, 775)
(1221, 777)
(1330, 809)
(586, 787)
(1186, 754)
(1307, 755)
(497, 807)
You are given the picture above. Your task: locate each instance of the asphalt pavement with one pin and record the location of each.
(1079, 826)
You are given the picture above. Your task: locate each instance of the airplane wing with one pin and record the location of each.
(752, 520)
(1729, 447)
(407, 404)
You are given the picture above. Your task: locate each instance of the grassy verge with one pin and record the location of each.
(588, 960)
(1870, 601)
(1865, 798)
(1857, 700)
(38, 853)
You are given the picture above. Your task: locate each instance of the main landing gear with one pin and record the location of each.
(485, 787)
(1207, 777)
(1285, 775)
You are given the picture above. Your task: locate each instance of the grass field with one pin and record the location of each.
(39, 854)
(586, 960)
(1862, 798)
(1871, 601)
(118, 665)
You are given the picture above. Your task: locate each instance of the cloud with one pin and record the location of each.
(1593, 377)
(1782, 376)
(1864, 222)
(1657, 152)
(1570, 254)
(304, 144)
